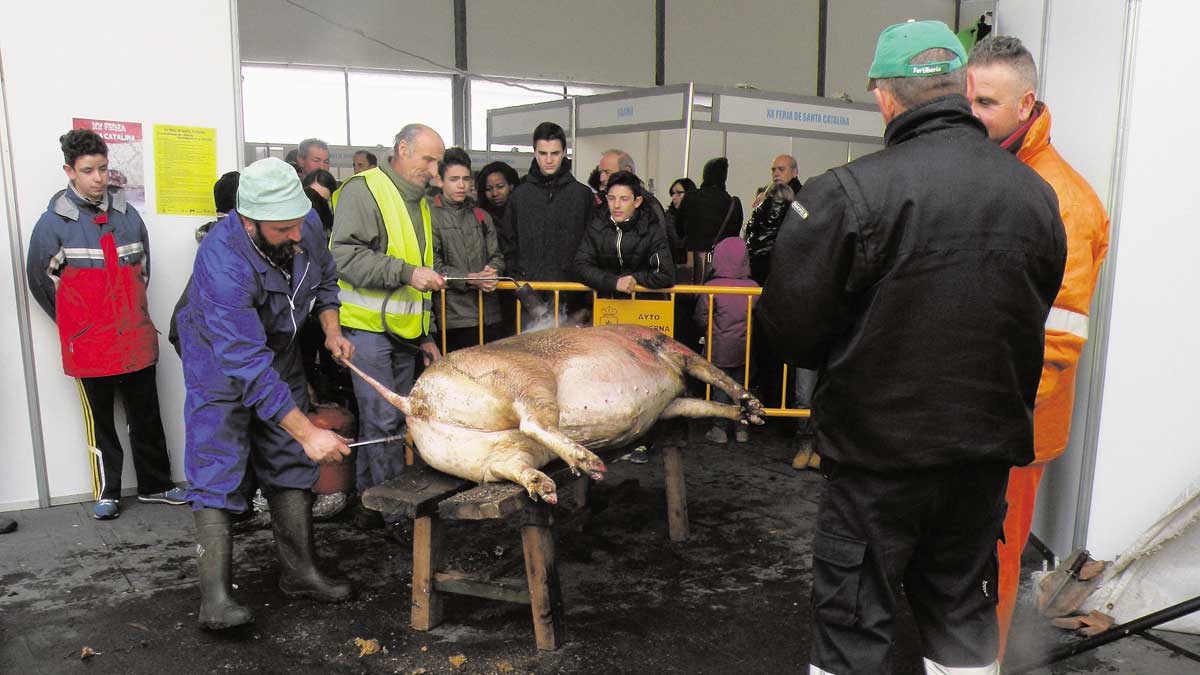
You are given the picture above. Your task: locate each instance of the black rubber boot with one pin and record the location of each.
(291, 519)
(214, 556)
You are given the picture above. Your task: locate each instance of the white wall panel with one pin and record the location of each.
(1080, 72)
(174, 76)
(1148, 447)
(18, 480)
(278, 32)
(608, 42)
(854, 27)
(771, 44)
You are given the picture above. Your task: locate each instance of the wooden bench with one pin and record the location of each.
(430, 498)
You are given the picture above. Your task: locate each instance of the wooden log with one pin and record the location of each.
(581, 489)
(545, 596)
(461, 583)
(677, 515)
(428, 549)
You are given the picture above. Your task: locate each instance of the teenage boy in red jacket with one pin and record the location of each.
(88, 265)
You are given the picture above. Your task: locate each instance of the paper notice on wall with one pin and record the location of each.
(185, 168)
(126, 166)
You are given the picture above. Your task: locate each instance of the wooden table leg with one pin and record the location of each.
(427, 560)
(581, 488)
(545, 596)
(677, 515)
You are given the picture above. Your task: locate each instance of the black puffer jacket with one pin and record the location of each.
(636, 247)
(760, 235)
(549, 215)
(918, 279)
(702, 212)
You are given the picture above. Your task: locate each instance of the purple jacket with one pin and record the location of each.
(731, 267)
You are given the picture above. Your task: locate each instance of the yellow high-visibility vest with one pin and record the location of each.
(407, 308)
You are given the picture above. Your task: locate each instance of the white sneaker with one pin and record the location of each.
(717, 435)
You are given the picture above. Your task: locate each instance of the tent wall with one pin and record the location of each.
(18, 480)
(163, 75)
(770, 44)
(1148, 450)
(1080, 72)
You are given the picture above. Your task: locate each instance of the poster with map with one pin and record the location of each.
(126, 167)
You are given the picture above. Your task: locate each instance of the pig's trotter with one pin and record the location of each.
(538, 484)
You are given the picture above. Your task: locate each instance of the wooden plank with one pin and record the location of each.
(460, 583)
(545, 596)
(414, 493)
(581, 489)
(428, 551)
(677, 515)
(486, 501)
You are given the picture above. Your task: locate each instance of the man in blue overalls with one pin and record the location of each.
(256, 275)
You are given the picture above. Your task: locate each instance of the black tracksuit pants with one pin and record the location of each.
(932, 532)
(139, 392)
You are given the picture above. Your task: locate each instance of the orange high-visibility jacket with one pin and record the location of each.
(1067, 326)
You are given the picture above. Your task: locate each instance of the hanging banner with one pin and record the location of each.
(126, 165)
(185, 168)
(656, 314)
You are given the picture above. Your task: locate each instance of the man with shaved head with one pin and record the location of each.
(1001, 84)
(382, 241)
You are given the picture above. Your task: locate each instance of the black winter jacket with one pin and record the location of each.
(918, 279)
(548, 216)
(636, 247)
(701, 213)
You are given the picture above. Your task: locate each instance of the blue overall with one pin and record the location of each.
(241, 362)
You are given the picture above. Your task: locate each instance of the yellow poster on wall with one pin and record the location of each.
(185, 168)
(656, 314)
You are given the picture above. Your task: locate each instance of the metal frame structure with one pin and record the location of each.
(731, 111)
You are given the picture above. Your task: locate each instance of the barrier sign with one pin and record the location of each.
(656, 314)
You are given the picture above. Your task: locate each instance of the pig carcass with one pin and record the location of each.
(502, 410)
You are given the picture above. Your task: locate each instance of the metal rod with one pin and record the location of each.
(687, 134)
(386, 439)
(1111, 635)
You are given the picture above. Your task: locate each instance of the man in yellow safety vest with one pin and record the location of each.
(382, 241)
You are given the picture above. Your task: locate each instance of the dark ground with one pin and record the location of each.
(732, 599)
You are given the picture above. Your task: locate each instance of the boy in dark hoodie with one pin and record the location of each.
(709, 214)
(727, 351)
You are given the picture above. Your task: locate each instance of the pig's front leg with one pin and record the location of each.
(700, 409)
(517, 467)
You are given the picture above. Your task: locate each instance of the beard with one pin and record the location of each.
(280, 254)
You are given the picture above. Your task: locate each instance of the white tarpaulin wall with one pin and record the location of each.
(1161, 569)
(666, 142)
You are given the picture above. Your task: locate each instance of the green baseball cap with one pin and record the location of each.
(270, 190)
(898, 45)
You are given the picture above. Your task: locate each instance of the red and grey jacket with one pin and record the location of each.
(88, 266)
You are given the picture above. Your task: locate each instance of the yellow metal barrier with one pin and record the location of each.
(682, 289)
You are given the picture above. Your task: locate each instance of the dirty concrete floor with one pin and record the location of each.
(732, 599)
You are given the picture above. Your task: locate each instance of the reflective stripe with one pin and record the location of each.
(1068, 322)
(396, 305)
(86, 253)
(135, 248)
(935, 668)
(130, 249)
(813, 670)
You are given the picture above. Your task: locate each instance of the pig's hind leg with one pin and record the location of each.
(537, 409)
(699, 409)
(749, 408)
